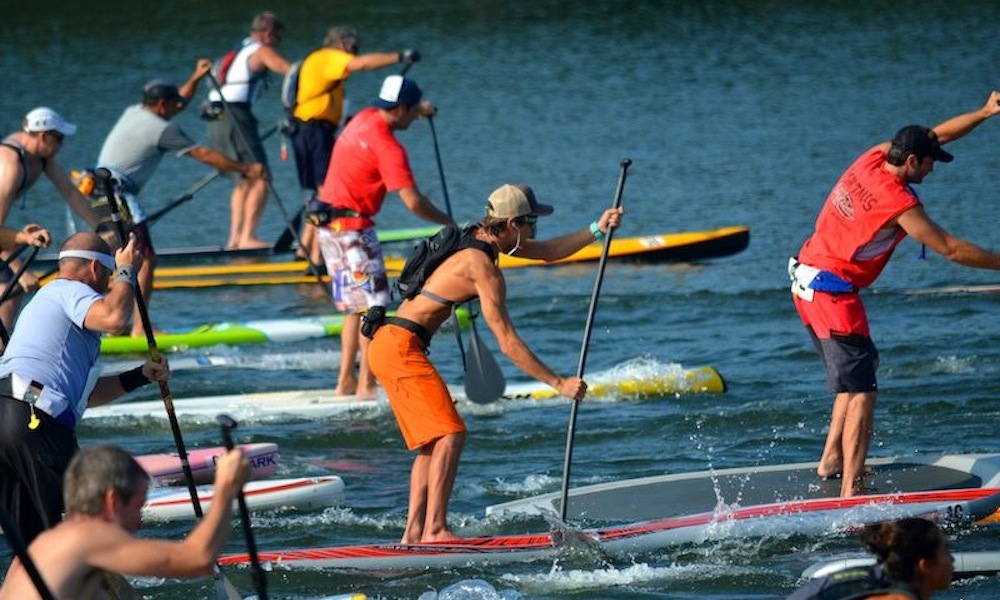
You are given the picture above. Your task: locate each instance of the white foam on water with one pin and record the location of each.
(558, 580)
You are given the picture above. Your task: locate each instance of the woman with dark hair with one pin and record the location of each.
(913, 562)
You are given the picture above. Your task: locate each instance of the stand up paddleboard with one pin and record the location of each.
(305, 493)
(241, 332)
(688, 493)
(323, 403)
(967, 564)
(165, 469)
(817, 516)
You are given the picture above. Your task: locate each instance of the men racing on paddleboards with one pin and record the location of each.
(397, 356)
(867, 214)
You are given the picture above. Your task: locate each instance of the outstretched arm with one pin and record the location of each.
(224, 163)
(197, 553)
(492, 291)
(958, 126)
(563, 246)
(422, 207)
(920, 227)
(190, 87)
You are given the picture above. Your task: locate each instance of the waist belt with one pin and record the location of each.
(807, 280)
(415, 328)
(336, 212)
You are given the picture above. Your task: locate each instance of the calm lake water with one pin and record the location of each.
(734, 113)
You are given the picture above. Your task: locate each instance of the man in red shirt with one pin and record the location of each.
(867, 214)
(367, 162)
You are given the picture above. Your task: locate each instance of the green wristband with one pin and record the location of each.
(596, 231)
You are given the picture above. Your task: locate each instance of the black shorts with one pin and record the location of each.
(851, 362)
(32, 464)
(234, 132)
(312, 144)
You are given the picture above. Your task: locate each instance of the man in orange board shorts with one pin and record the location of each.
(870, 210)
(398, 354)
(367, 162)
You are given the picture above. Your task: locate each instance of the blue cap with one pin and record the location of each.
(397, 90)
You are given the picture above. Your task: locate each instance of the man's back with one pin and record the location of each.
(138, 141)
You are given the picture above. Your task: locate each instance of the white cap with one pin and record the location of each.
(46, 119)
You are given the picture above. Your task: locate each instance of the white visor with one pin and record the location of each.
(106, 260)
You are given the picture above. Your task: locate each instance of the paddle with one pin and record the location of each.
(484, 381)
(11, 286)
(586, 341)
(245, 142)
(187, 195)
(20, 549)
(227, 424)
(224, 590)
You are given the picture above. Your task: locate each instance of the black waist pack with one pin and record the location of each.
(373, 319)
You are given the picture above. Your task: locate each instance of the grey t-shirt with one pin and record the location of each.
(138, 141)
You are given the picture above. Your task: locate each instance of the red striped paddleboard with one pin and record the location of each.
(813, 516)
(305, 493)
(165, 469)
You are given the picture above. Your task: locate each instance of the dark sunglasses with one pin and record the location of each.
(56, 136)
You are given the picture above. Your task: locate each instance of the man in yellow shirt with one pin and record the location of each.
(319, 107)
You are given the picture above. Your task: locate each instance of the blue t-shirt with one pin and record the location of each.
(50, 345)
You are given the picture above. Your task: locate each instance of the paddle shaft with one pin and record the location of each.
(11, 285)
(588, 328)
(244, 140)
(20, 549)
(224, 589)
(227, 424)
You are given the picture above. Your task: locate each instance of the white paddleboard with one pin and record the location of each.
(689, 493)
(304, 493)
(165, 469)
(967, 564)
(323, 403)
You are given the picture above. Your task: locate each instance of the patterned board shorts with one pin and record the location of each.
(357, 271)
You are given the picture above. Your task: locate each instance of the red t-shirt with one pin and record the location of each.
(367, 162)
(853, 237)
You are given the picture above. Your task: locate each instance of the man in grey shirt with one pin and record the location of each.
(140, 138)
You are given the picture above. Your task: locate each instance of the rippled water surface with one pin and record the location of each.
(734, 113)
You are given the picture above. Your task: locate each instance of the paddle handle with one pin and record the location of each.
(226, 425)
(591, 312)
(12, 285)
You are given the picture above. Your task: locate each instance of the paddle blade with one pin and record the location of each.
(484, 381)
(224, 589)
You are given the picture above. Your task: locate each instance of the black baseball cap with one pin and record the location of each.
(160, 89)
(920, 141)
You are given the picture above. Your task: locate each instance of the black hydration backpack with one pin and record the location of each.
(429, 253)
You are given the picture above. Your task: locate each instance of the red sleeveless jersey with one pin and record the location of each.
(854, 235)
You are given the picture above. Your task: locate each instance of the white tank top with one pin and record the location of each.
(240, 84)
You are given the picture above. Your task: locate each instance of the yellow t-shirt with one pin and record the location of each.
(320, 95)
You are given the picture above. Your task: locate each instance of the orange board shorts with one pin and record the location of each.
(417, 394)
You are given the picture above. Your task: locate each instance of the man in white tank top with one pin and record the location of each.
(234, 133)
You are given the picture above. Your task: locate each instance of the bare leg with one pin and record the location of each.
(350, 336)
(857, 437)
(367, 386)
(308, 237)
(440, 481)
(417, 508)
(252, 210)
(831, 464)
(236, 201)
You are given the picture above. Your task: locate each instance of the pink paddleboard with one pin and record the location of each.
(165, 469)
